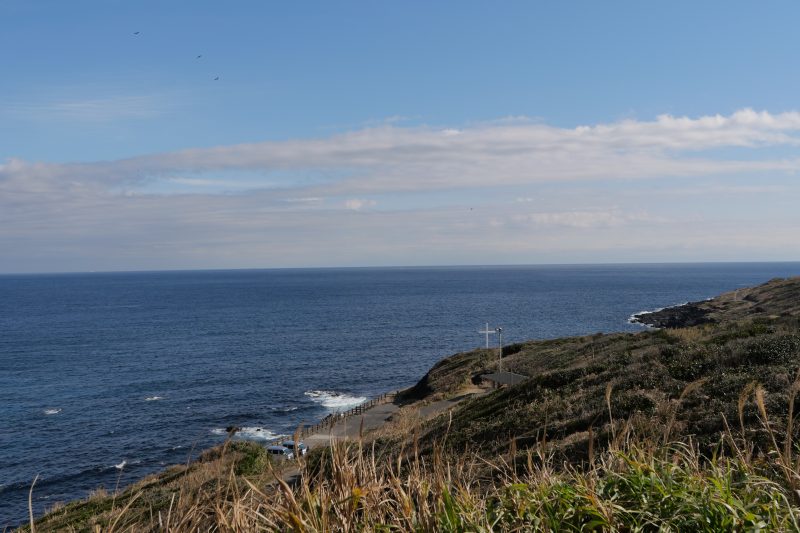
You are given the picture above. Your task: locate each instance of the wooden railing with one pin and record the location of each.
(334, 418)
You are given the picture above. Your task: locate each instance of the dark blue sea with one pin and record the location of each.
(106, 377)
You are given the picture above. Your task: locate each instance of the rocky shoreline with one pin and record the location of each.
(679, 316)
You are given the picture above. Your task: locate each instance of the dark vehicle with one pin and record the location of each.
(280, 451)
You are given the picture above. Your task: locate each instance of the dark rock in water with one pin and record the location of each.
(680, 316)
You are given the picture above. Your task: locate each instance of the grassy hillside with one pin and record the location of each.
(182, 491)
(661, 384)
(773, 299)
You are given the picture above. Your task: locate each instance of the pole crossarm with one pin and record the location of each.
(487, 332)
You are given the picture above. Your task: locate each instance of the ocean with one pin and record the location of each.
(106, 377)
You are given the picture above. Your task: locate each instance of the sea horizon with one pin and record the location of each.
(398, 267)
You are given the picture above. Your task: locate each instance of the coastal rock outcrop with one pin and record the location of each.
(680, 316)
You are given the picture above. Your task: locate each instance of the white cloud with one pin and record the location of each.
(724, 190)
(392, 159)
(306, 200)
(585, 219)
(389, 159)
(356, 204)
(119, 210)
(215, 183)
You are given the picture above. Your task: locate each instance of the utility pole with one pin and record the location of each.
(488, 332)
(500, 340)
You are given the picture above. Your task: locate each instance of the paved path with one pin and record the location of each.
(349, 428)
(438, 407)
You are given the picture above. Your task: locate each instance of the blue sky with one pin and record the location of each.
(403, 133)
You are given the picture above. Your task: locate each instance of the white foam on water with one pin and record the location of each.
(284, 409)
(52, 411)
(250, 433)
(257, 433)
(634, 318)
(153, 398)
(337, 401)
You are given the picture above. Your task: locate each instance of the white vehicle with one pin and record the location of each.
(300, 448)
(280, 451)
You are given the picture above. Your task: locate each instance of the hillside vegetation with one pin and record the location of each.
(663, 384)
(686, 428)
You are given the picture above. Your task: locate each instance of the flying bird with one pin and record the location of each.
(215, 79)
(198, 57)
(136, 33)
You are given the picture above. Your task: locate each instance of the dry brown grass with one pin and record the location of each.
(402, 423)
(689, 335)
(631, 483)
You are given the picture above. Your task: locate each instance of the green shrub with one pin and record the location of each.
(254, 459)
(773, 350)
(688, 362)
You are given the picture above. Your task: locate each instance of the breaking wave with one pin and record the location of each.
(249, 433)
(337, 401)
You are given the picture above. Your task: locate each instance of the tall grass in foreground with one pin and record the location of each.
(631, 484)
(632, 488)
